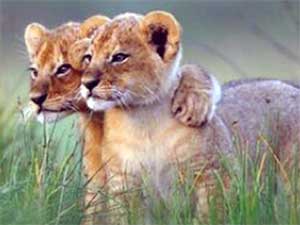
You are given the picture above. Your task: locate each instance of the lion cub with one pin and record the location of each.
(54, 90)
(56, 69)
(132, 74)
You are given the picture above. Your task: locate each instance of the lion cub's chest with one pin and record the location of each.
(150, 140)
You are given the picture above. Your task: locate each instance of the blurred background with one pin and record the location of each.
(40, 166)
(231, 38)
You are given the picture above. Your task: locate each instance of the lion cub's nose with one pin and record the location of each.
(39, 99)
(90, 84)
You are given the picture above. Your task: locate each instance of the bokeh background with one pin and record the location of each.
(231, 38)
(40, 165)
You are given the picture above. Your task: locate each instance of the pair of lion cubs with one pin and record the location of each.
(142, 75)
(128, 67)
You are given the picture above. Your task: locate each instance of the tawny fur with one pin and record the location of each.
(141, 135)
(195, 100)
(48, 49)
(242, 109)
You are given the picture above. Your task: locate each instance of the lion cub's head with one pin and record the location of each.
(55, 66)
(132, 60)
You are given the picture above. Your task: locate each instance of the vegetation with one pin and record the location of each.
(41, 183)
(40, 166)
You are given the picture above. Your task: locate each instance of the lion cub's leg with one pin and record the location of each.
(195, 99)
(91, 126)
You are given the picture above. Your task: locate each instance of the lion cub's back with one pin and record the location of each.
(268, 108)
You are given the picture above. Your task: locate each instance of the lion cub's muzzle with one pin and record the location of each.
(96, 100)
(91, 84)
(90, 80)
(38, 99)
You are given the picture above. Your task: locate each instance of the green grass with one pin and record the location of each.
(40, 180)
(41, 183)
(40, 167)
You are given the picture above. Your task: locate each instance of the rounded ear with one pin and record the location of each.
(33, 36)
(163, 32)
(88, 26)
(76, 53)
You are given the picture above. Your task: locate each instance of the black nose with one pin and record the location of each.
(39, 100)
(91, 84)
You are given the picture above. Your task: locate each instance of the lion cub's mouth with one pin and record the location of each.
(43, 109)
(52, 115)
(98, 104)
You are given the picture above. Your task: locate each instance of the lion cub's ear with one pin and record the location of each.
(33, 36)
(88, 26)
(76, 53)
(79, 48)
(163, 32)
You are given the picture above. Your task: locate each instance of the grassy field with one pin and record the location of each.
(40, 179)
(40, 183)
(40, 165)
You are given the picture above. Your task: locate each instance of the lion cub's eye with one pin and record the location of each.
(119, 57)
(63, 70)
(33, 72)
(87, 58)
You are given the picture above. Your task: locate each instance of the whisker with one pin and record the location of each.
(73, 106)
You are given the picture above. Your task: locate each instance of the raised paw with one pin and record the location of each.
(196, 97)
(191, 108)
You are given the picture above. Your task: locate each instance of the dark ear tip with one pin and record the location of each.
(159, 36)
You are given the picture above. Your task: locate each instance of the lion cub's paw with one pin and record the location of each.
(195, 99)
